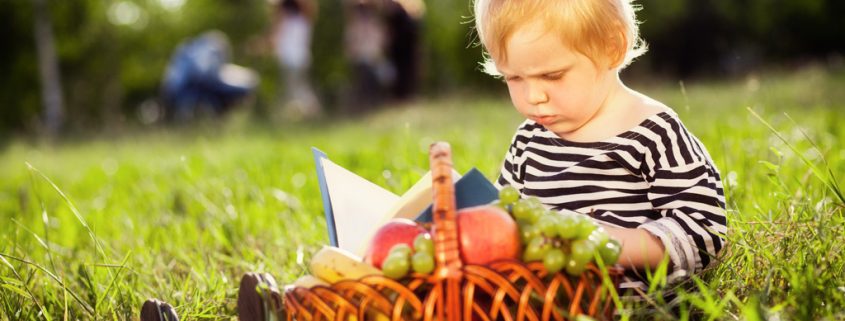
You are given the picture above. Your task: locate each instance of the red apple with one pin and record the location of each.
(395, 231)
(487, 233)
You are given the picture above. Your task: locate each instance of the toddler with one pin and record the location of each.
(593, 146)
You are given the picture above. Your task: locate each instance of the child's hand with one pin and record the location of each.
(639, 247)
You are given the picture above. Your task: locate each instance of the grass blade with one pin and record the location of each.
(114, 279)
(827, 177)
(97, 245)
(31, 295)
(84, 305)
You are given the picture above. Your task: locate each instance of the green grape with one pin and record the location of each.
(396, 265)
(422, 262)
(583, 250)
(423, 243)
(400, 248)
(523, 224)
(585, 227)
(503, 206)
(508, 195)
(521, 209)
(536, 249)
(610, 252)
(599, 237)
(554, 260)
(567, 227)
(547, 224)
(574, 267)
(535, 202)
(528, 231)
(536, 213)
(535, 209)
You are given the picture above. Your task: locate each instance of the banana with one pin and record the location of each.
(309, 281)
(376, 316)
(332, 264)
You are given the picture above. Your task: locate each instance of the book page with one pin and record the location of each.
(418, 197)
(360, 206)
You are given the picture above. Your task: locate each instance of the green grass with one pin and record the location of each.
(90, 229)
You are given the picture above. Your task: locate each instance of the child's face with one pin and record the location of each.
(551, 83)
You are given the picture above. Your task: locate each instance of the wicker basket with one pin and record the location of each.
(505, 290)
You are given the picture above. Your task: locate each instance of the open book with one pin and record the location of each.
(355, 207)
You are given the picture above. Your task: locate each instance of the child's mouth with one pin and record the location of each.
(544, 120)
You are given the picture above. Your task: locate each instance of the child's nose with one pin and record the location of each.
(537, 95)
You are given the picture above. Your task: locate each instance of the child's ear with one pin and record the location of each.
(617, 48)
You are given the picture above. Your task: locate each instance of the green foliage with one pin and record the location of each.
(110, 67)
(695, 37)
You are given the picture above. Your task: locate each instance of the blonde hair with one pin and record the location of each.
(589, 26)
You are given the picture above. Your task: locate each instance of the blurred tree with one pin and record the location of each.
(19, 96)
(51, 89)
(732, 37)
(453, 54)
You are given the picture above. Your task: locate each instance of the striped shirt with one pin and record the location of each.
(656, 176)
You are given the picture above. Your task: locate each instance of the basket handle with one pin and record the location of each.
(446, 244)
(449, 270)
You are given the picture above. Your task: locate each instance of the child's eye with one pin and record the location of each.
(553, 76)
(512, 78)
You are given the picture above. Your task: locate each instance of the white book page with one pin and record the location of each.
(417, 198)
(359, 206)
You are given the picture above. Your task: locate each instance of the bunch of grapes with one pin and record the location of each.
(402, 259)
(560, 240)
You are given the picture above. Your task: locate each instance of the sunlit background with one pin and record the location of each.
(113, 189)
(111, 55)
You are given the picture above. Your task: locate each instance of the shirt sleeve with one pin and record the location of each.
(692, 224)
(510, 174)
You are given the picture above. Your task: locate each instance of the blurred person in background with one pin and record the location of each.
(404, 22)
(365, 43)
(199, 80)
(292, 31)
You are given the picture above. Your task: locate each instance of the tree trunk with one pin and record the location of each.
(48, 67)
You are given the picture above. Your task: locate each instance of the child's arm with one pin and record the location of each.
(685, 192)
(685, 189)
(640, 249)
(692, 224)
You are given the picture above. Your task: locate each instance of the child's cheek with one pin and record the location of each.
(520, 106)
(518, 99)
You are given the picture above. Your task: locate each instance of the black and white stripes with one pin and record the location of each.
(656, 176)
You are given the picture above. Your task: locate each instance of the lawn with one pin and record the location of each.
(90, 228)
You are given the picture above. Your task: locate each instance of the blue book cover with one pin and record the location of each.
(324, 192)
(472, 189)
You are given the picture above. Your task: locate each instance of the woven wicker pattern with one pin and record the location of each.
(506, 290)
